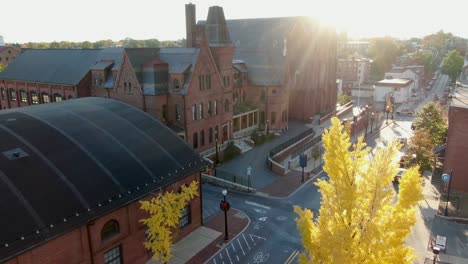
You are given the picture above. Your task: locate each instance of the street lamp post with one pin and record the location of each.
(225, 207)
(372, 122)
(447, 178)
(216, 145)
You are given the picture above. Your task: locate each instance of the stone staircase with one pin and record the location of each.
(242, 145)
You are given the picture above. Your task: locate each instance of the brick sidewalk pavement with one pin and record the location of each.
(237, 222)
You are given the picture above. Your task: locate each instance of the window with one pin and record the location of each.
(202, 138)
(3, 93)
(201, 110)
(273, 117)
(201, 82)
(110, 229)
(58, 97)
(113, 256)
(195, 140)
(23, 96)
(185, 219)
(34, 97)
(45, 98)
(12, 94)
(209, 108)
(194, 112)
(210, 135)
(164, 113)
(177, 113)
(215, 107)
(175, 83)
(209, 81)
(226, 105)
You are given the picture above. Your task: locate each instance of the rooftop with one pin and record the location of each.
(66, 163)
(396, 81)
(459, 98)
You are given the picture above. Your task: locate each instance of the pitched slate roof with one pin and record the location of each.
(260, 44)
(55, 66)
(63, 164)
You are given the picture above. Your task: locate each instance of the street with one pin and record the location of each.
(272, 236)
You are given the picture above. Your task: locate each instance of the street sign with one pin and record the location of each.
(249, 170)
(441, 242)
(225, 206)
(445, 177)
(303, 160)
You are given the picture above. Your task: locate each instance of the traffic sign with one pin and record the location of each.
(249, 170)
(445, 177)
(225, 206)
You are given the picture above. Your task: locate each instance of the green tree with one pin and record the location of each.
(343, 99)
(165, 212)
(359, 222)
(2, 67)
(315, 153)
(453, 65)
(431, 119)
(421, 145)
(424, 58)
(384, 52)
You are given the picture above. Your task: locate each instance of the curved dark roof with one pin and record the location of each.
(65, 163)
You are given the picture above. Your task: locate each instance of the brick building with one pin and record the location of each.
(233, 78)
(72, 174)
(353, 72)
(457, 146)
(8, 54)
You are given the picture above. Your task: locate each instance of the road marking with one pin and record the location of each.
(246, 241)
(258, 205)
(259, 237)
(259, 211)
(291, 257)
(252, 240)
(260, 257)
(243, 252)
(229, 256)
(237, 258)
(263, 218)
(232, 245)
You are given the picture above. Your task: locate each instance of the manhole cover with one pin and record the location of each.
(281, 218)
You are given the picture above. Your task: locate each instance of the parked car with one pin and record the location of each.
(397, 177)
(402, 140)
(405, 111)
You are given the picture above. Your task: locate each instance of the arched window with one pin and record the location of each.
(45, 98)
(226, 105)
(202, 138)
(110, 229)
(58, 97)
(215, 107)
(201, 111)
(34, 97)
(195, 140)
(175, 83)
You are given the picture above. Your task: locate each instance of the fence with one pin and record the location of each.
(291, 141)
(228, 176)
(306, 146)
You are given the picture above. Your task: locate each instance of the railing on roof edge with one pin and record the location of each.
(291, 141)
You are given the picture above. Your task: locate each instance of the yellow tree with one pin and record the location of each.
(359, 220)
(165, 212)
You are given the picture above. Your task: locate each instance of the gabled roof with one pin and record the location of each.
(55, 66)
(63, 164)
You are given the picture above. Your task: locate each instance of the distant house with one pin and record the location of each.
(398, 88)
(413, 72)
(353, 72)
(8, 54)
(72, 175)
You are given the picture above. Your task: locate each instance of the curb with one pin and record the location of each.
(232, 239)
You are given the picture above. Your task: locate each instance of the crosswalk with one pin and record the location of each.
(237, 249)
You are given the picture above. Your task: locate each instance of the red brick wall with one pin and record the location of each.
(456, 148)
(50, 89)
(206, 65)
(73, 247)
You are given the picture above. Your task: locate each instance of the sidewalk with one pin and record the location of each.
(285, 185)
(237, 222)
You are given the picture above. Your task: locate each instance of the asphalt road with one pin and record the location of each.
(272, 236)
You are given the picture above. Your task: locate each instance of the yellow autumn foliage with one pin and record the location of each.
(165, 212)
(360, 220)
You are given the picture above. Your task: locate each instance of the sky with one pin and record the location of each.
(80, 20)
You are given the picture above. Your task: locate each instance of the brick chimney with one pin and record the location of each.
(190, 17)
(217, 32)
